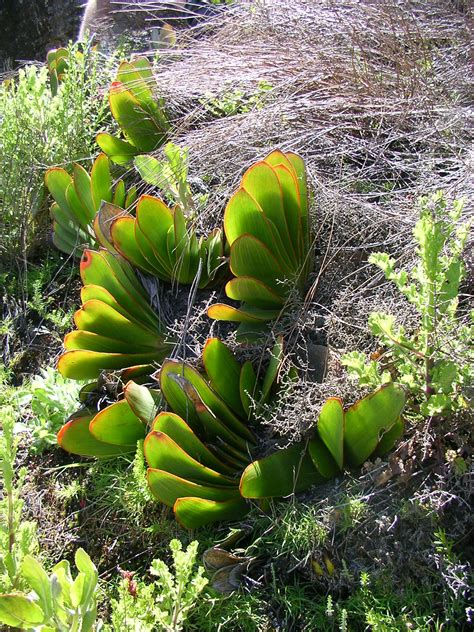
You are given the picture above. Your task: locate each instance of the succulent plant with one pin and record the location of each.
(200, 456)
(196, 466)
(341, 438)
(266, 224)
(116, 327)
(158, 242)
(57, 61)
(77, 199)
(114, 430)
(138, 112)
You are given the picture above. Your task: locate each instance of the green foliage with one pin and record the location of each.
(57, 61)
(267, 226)
(78, 198)
(158, 241)
(166, 603)
(138, 112)
(38, 130)
(236, 101)
(56, 602)
(17, 536)
(46, 402)
(341, 438)
(116, 328)
(435, 361)
(170, 175)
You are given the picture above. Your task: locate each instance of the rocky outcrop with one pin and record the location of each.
(31, 27)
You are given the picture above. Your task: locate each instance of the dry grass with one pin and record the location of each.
(376, 97)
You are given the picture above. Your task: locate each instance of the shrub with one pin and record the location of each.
(435, 361)
(39, 129)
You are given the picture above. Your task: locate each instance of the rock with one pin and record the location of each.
(31, 27)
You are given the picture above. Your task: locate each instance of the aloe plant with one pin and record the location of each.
(77, 199)
(158, 242)
(266, 224)
(114, 430)
(342, 438)
(196, 467)
(138, 112)
(116, 327)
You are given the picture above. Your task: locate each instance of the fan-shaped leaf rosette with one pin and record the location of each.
(341, 438)
(77, 199)
(114, 430)
(158, 242)
(266, 224)
(137, 111)
(116, 327)
(195, 465)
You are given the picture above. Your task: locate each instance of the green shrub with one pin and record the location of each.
(50, 399)
(435, 361)
(39, 130)
(165, 603)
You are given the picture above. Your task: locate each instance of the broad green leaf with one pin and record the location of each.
(262, 183)
(82, 184)
(159, 261)
(254, 292)
(76, 438)
(178, 430)
(245, 314)
(97, 292)
(102, 319)
(136, 123)
(57, 180)
(162, 453)
(178, 375)
(249, 257)
(81, 216)
(103, 269)
(145, 402)
(101, 181)
(150, 169)
(38, 580)
(17, 611)
(124, 240)
(85, 365)
(119, 195)
(322, 459)
(89, 341)
(86, 566)
(77, 590)
(118, 424)
(330, 428)
(223, 372)
(292, 206)
(167, 488)
(368, 419)
(155, 219)
(193, 513)
(282, 473)
(248, 387)
(119, 151)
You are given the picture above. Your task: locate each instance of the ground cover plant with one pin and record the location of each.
(330, 405)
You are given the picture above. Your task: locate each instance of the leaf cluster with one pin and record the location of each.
(435, 361)
(165, 603)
